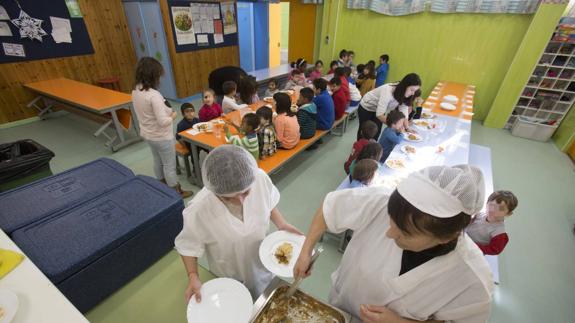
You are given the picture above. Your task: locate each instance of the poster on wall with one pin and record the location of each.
(5, 29)
(13, 50)
(182, 17)
(3, 14)
(228, 10)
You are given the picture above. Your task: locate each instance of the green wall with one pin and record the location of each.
(285, 26)
(467, 48)
(565, 135)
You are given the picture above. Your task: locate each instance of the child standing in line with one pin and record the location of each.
(188, 121)
(368, 131)
(324, 104)
(317, 71)
(266, 133)
(287, 128)
(372, 150)
(211, 109)
(229, 103)
(272, 88)
(249, 141)
(392, 135)
(488, 228)
(366, 80)
(382, 70)
(306, 114)
(364, 172)
(332, 66)
(338, 97)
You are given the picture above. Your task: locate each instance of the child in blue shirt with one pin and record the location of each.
(392, 136)
(189, 120)
(324, 104)
(382, 70)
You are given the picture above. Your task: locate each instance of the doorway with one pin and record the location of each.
(279, 14)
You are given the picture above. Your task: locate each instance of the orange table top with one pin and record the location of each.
(464, 92)
(80, 94)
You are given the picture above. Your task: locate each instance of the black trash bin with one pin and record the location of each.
(22, 162)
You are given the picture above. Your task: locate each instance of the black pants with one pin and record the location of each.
(364, 115)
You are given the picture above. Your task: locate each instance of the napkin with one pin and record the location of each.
(8, 261)
(193, 132)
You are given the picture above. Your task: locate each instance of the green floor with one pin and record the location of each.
(537, 268)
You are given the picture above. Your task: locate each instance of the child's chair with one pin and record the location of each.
(184, 152)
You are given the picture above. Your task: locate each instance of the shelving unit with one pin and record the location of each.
(550, 91)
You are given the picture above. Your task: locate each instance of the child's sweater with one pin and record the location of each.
(249, 142)
(325, 110)
(491, 238)
(388, 140)
(230, 104)
(209, 112)
(381, 74)
(287, 131)
(267, 140)
(306, 117)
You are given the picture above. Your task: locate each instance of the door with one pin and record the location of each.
(275, 20)
(246, 35)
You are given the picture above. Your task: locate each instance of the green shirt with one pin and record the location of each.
(249, 142)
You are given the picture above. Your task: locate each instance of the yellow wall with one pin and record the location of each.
(301, 31)
(275, 33)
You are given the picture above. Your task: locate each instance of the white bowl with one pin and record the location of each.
(450, 99)
(447, 106)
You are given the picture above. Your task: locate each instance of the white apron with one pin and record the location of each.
(455, 287)
(231, 246)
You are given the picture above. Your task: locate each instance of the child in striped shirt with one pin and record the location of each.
(249, 141)
(266, 133)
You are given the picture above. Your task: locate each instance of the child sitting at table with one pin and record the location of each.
(297, 80)
(211, 109)
(364, 172)
(340, 73)
(392, 135)
(229, 103)
(332, 66)
(188, 121)
(354, 94)
(487, 229)
(286, 125)
(367, 132)
(372, 150)
(338, 97)
(272, 89)
(324, 104)
(249, 140)
(306, 114)
(266, 133)
(317, 71)
(366, 79)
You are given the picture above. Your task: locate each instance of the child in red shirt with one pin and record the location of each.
(210, 110)
(340, 74)
(367, 131)
(338, 97)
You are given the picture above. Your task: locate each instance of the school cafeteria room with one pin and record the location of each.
(377, 161)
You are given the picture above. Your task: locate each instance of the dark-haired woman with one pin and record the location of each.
(155, 119)
(409, 259)
(377, 103)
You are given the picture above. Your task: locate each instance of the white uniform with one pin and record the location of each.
(231, 245)
(455, 287)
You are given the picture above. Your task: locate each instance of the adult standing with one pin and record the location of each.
(377, 103)
(155, 119)
(409, 259)
(228, 219)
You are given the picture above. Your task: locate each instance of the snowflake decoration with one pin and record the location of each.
(29, 27)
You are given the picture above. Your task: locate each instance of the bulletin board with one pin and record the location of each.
(60, 33)
(203, 25)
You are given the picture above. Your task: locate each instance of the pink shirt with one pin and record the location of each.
(154, 117)
(314, 75)
(287, 130)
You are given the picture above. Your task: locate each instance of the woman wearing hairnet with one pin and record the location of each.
(228, 219)
(408, 259)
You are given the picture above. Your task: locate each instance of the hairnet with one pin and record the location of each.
(444, 191)
(228, 169)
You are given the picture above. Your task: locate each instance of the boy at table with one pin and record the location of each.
(249, 140)
(229, 103)
(392, 135)
(338, 97)
(324, 104)
(188, 121)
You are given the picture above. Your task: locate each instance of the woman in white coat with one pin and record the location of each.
(228, 219)
(409, 259)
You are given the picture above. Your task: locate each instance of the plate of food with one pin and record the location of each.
(395, 163)
(8, 305)
(223, 300)
(425, 124)
(269, 99)
(447, 106)
(409, 136)
(408, 150)
(203, 127)
(279, 252)
(427, 115)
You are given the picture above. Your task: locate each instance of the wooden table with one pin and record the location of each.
(39, 300)
(91, 100)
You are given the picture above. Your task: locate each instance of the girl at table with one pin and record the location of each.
(248, 90)
(211, 109)
(267, 138)
(393, 134)
(156, 122)
(273, 88)
(317, 71)
(300, 64)
(332, 66)
(286, 125)
(297, 79)
(366, 80)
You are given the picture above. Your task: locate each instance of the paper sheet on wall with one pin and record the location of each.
(182, 20)
(207, 26)
(5, 29)
(229, 17)
(195, 10)
(3, 14)
(218, 38)
(202, 40)
(61, 35)
(61, 23)
(215, 11)
(13, 49)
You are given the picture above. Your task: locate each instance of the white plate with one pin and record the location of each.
(223, 300)
(199, 124)
(406, 137)
(269, 99)
(424, 124)
(391, 163)
(9, 303)
(450, 99)
(447, 106)
(404, 150)
(427, 115)
(269, 247)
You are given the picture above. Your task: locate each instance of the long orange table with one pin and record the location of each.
(91, 99)
(465, 93)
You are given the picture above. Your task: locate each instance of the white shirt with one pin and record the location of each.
(154, 117)
(230, 104)
(231, 245)
(381, 101)
(455, 287)
(354, 93)
(482, 231)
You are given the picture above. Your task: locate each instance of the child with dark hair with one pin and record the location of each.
(324, 104)
(286, 125)
(487, 229)
(211, 109)
(266, 133)
(317, 71)
(340, 73)
(188, 121)
(249, 141)
(332, 66)
(392, 135)
(350, 57)
(366, 79)
(364, 172)
(382, 70)
(347, 72)
(371, 63)
(368, 132)
(307, 113)
(338, 97)
(273, 88)
(372, 150)
(343, 58)
(247, 89)
(229, 103)
(297, 79)
(415, 111)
